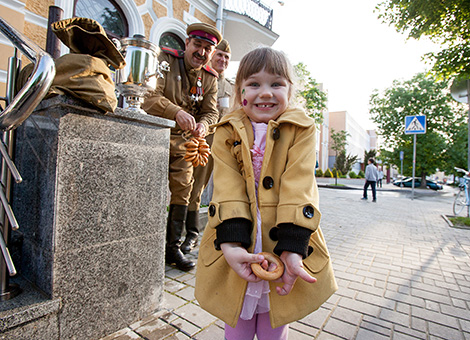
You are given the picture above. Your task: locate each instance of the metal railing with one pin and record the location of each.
(253, 9)
(18, 108)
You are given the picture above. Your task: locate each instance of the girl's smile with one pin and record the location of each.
(265, 96)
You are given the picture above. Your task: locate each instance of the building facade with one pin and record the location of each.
(358, 141)
(162, 22)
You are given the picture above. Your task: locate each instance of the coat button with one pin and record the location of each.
(276, 133)
(309, 211)
(212, 210)
(273, 234)
(268, 182)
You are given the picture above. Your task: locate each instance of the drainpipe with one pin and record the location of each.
(220, 16)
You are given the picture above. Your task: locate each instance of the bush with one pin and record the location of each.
(328, 173)
(336, 173)
(343, 176)
(361, 174)
(319, 173)
(352, 174)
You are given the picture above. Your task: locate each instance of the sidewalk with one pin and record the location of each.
(403, 273)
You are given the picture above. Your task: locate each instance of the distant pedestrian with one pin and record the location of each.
(372, 176)
(380, 178)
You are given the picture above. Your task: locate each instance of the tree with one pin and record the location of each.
(444, 22)
(345, 162)
(422, 95)
(339, 146)
(372, 153)
(339, 140)
(309, 94)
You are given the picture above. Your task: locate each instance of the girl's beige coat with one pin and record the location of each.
(289, 160)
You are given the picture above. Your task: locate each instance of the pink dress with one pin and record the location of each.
(257, 293)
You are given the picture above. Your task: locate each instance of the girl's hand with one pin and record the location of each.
(240, 260)
(293, 268)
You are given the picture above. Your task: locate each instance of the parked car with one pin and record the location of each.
(408, 182)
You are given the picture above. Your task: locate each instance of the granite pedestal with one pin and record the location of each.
(92, 214)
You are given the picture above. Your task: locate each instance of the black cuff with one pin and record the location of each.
(292, 238)
(234, 230)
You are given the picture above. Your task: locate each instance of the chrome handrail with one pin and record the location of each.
(19, 108)
(26, 100)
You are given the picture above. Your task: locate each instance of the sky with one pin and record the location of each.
(348, 49)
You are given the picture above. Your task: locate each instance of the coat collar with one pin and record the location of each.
(292, 115)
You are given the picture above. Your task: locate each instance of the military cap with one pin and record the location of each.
(224, 46)
(87, 36)
(201, 30)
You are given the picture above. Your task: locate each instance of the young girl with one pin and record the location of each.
(265, 198)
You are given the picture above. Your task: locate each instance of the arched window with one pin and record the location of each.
(171, 40)
(107, 13)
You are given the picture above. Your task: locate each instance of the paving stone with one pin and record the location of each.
(340, 328)
(195, 315)
(210, 333)
(186, 293)
(444, 331)
(405, 332)
(155, 330)
(365, 334)
(171, 301)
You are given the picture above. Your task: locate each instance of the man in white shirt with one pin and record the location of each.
(372, 175)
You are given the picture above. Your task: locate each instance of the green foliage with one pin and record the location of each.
(336, 173)
(446, 23)
(309, 94)
(352, 174)
(361, 174)
(319, 173)
(339, 140)
(460, 221)
(372, 153)
(439, 147)
(345, 162)
(328, 173)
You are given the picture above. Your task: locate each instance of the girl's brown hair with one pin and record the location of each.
(267, 59)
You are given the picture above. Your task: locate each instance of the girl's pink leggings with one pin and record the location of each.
(259, 325)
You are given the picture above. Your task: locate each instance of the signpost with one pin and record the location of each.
(402, 156)
(414, 125)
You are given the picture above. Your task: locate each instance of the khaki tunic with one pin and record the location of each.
(203, 174)
(168, 98)
(288, 193)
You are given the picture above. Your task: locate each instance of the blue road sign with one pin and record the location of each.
(415, 124)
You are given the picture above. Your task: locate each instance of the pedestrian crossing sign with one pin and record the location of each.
(415, 124)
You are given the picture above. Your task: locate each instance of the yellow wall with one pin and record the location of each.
(39, 7)
(159, 9)
(179, 7)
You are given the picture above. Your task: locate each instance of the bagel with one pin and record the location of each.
(197, 151)
(268, 275)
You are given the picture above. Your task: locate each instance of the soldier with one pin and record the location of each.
(219, 62)
(188, 95)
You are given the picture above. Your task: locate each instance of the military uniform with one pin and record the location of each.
(170, 96)
(202, 175)
(192, 89)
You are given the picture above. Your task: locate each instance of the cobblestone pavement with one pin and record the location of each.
(403, 273)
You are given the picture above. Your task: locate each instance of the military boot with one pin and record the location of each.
(192, 232)
(174, 235)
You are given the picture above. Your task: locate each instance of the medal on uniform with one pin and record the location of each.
(197, 91)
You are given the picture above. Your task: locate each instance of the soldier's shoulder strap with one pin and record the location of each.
(173, 52)
(209, 69)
